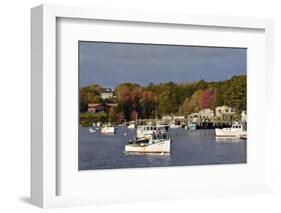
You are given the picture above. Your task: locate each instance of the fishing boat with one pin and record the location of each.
(155, 143)
(131, 126)
(92, 130)
(144, 131)
(174, 125)
(108, 129)
(236, 130)
(191, 126)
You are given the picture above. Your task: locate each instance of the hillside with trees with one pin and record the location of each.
(161, 99)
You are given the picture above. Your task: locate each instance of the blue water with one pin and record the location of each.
(189, 147)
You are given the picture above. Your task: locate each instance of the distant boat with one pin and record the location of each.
(131, 126)
(92, 130)
(108, 129)
(191, 126)
(154, 143)
(236, 130)
(174, 125)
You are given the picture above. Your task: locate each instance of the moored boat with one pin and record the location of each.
(174, 124)
(155, 143)
(191, 126)
(92, 130)
(131, 126)
(108, 129)
(236, 130)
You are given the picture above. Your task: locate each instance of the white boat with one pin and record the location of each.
(92, 130)
(156, 143)
(131, 126)
(236, 130)
(191, 126)
(173, 125)
(108, 129)
(145, 131)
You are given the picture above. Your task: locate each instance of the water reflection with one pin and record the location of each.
(229, 140)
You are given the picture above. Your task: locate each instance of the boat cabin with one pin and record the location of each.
(160, 136)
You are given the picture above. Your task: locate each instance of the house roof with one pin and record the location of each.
(106, 90)
(100, 104)
(111, 104)
(94, 105)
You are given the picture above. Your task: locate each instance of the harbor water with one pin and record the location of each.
(189, 147)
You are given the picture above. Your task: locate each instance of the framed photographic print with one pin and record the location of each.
(140, 102)
(151, 105)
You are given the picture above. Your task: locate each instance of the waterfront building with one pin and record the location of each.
(206, 114)
(106, 93)
(167, 117)
(222, 111)
(100, 107)
(178, 117)
(193, 117)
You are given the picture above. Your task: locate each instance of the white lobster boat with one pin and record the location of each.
(191, 126)
(131, 126)
(174, 125)
(108, 129)
(236, 130)
(155, 143)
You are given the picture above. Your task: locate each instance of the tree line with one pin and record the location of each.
(156, 100)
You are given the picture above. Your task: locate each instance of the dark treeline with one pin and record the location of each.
(167, 98)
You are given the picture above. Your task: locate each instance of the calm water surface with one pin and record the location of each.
(189, 147)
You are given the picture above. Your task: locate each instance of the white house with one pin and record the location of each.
(224, 111)
(178, 117)
(106, 93)
(167, 117)
(206, 113)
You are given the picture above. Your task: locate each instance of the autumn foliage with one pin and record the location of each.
(207, 97)
(156, 100)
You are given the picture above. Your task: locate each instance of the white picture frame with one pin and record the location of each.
(45, 168)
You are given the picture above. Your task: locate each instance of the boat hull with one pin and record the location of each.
(222, 133)
(108, 130)
(192, 126)
(131, 127)
(158, 147)
(173, 126)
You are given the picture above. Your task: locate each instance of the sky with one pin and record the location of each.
(109, 64)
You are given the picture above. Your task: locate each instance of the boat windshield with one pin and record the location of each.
(160, 136)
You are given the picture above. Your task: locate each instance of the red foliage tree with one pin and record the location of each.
(206, 98)
(120, 117)
(133, 115)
